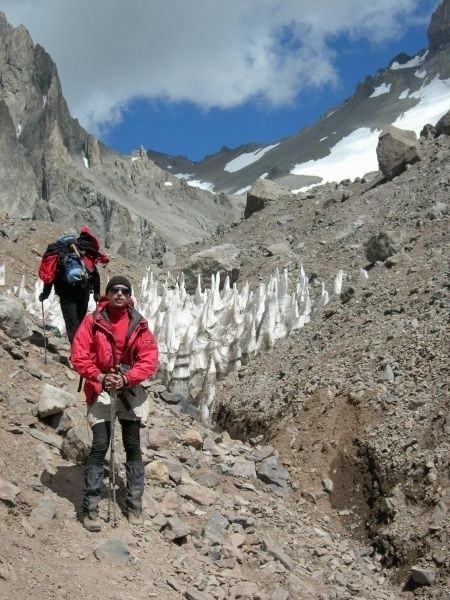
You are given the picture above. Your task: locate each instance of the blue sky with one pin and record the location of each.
(190, 77)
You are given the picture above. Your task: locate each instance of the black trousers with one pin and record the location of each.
(74, 310)
(101, 438)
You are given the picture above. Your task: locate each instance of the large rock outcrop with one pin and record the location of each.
(262, 193)
(439, 28)
(396, 148)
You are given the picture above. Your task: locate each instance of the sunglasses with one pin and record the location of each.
(115, 289)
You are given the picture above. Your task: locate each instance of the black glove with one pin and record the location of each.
(42, 297)
(97, 297)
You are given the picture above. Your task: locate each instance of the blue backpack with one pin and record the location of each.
(72, 268)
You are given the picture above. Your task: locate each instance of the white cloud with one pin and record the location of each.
(213, 53)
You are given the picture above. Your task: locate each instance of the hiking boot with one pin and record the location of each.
(134, 519)
(135, 489)
(93, 481)
(92, 523)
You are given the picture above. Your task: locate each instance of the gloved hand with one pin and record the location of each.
(42, 297)
(97, 297)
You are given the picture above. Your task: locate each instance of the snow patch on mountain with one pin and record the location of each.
(355, 155)
(203, 185)
(420, 74)
(351, 157)
(434, 103)
(414, 62)
(242, 190)
(404, 94)
(243, 160)
(384, 88)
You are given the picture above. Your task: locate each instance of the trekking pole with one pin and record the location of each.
(43, 332)
(112, 470)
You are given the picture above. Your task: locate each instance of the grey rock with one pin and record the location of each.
(76, 445)
(60, 422)
(261, 453)
(388, 373)
(379, 247)
(54, 400)
(423, 575)
(278, 553)
(261, 194)
(328, 485)
(278, 249)
(8, 492)
(12, 320)
(443, 125)
(43, 514)
(50, 440)
(171, 397)
(243, 468)
(274, 475)
(158, 438)
(113, 552)
(396, 148)
(209, 479)
(244, 520)
(197, 493)
(215, 526)
(439, 512)
(18, 405)
(193, 593)
(179, 529)
(224, 259)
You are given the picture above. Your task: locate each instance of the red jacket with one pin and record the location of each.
(94, 349)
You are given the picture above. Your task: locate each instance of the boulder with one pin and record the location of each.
(53, 401)
(112, 552)
(379, 247)
(396, 149)
(12, 317)
(443, 125)
(428, 132)
(8, 492)
(272, 472)
(76, 445)
(224, 259)
(262, 193)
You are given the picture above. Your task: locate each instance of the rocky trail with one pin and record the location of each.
(326, 474)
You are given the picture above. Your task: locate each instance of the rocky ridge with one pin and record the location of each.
(54, 170)
(364, 109)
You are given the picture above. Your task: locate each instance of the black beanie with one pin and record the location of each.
(118, 280)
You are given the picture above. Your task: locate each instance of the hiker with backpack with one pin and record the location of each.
(114, 351)
(69, 265)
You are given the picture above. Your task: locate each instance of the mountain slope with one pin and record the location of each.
(51, 168)
(406, 83)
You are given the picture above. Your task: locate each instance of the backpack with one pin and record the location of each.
(63, 257)
(72, 267)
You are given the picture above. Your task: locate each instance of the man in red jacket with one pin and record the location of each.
(114, 349)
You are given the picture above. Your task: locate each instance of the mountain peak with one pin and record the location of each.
(439, 28)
